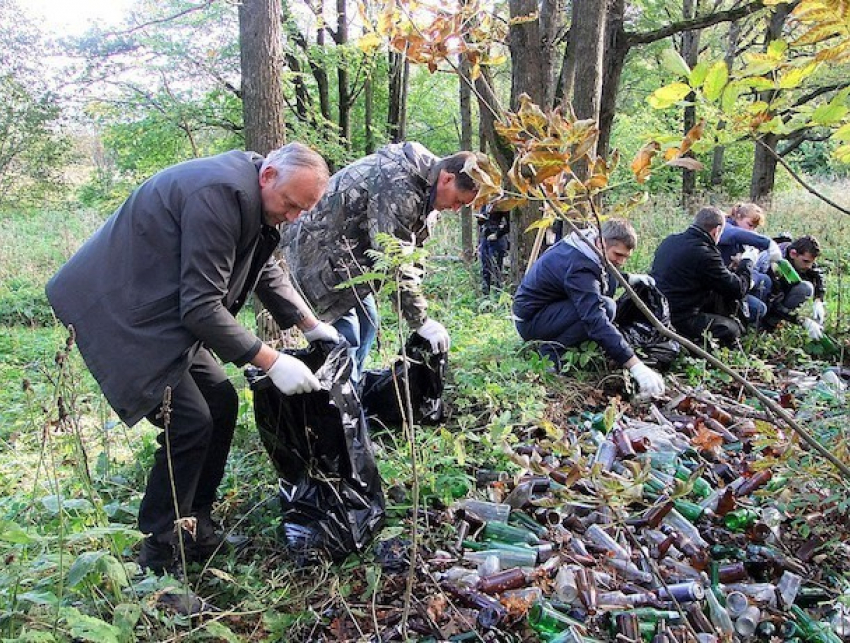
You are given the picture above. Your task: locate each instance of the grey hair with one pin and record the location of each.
(618, 230)
(294, 156)
(708, 218)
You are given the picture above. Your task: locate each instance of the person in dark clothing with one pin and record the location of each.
(785, 297)
(702, 292)
(738, 235)
(493, 229)
(565, 299)
(155, 292)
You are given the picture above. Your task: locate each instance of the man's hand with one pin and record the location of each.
(818, 312)
(814, 329)
(436, 334)
(650, 383)
(774, 252)
(322, 332)
(639, 278)
(291, 375)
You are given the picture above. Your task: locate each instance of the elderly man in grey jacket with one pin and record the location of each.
(155, 291)
(392, 191)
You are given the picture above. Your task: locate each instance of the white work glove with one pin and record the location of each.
(493, 237)
(436, 334)
(818, 312)
(638, 278)
(651, 384)
(814, 329)
(752, 254)
(291, 375)
(322, 332)
(774, 252)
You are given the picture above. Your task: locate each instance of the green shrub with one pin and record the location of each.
(24, 302)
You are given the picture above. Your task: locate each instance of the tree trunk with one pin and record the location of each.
(262, 99)
(369, 114)
(466, 218)
(343, 88)
(690, 52)
(261, 57)
(764, 164)
(529, 75)
(397, 108)
(616, 50)
(720, 150)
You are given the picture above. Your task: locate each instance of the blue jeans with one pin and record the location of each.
(559, 327)
(359, 326)
(492, 254)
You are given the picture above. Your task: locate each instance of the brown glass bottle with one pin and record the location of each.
(754, 482)
(504, 580)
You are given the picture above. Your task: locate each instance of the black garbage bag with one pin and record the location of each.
(655, 349)
(382, 391)
(330, 488)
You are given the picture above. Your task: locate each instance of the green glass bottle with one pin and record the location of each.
(788, 272)
(811, 630)
(740, 519)
(690, 510)
(506, 533)
(545, 619)
(701, 488)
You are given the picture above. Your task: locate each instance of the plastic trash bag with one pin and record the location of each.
(330, 488)
(655, 349)
(382, 391)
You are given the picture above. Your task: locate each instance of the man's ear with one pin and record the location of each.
(267, 176)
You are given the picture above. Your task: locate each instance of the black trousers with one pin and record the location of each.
(204, 405)
(724, 329)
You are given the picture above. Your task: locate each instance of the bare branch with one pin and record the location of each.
(700, 22)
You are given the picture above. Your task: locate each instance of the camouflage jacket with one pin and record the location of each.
(389, 192)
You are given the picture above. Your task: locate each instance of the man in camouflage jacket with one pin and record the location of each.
(392, 191)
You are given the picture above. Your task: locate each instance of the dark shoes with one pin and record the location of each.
(158, 556)
(207, 541)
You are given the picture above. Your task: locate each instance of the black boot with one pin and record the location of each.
(208, 539)
(158, 555)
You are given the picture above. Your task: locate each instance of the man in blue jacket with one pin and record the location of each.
(702, 292)
(154, 293)
(566, 299)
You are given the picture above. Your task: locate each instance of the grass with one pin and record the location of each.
(69, 490)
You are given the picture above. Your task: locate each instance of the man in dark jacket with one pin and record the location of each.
(702, 292)
(493, 229)
(565, 299)
(392, 191)
(154, 292)
(786, 297)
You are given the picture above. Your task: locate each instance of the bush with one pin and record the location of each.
(24, 302)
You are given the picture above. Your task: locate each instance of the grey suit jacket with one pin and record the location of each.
(167, 273)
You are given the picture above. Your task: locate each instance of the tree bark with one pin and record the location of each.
(616, 50)
(690, 53)
(369, 114)
(720, 150)
(465, 91)
(531, 64)
(764, 163)
(343, 86)
(397, 108)
(261, 57)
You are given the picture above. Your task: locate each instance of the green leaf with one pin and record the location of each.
(729, 101)
(842, 133)
(43, 597)
(125, 616)
(796, 75)
(669, 95)
(218, 631)
(89, 628)
(698, 74)
(32, 637)
(828, 114)
(86, 563)
(716, 80)
(11, 532)
(674, 63)
(777, 48)
(53, 504)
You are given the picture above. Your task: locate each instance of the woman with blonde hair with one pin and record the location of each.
(738, 233)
